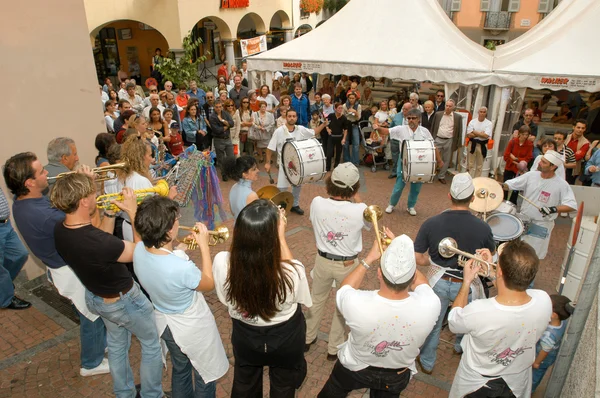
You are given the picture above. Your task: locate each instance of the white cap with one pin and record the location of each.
(398, 262)
(345, 175)
(553, 157)
(462, 186)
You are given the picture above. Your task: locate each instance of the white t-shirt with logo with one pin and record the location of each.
(338, 225)
(300, 294)
(385, 333)
(499, 340)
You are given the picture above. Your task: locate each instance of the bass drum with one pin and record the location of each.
(303, 161)
(505, 227)
(418, 161)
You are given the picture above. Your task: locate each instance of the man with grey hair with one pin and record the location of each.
(446, 129)
(387, 325)
(137, 103)
(479, 132)
(414, 101)
(393, 150)
(401, 133)
(62, 158)
(154, 103)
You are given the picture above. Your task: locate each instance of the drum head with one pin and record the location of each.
(290, 161)
(505, 227)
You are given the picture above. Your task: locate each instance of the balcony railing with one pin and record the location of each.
(497, 20)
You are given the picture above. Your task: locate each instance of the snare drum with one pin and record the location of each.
(418, 161)
(505, 227)
(507, 207)
(525, 219)
(303, 161)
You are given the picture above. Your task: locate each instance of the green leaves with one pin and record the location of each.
(185, 68)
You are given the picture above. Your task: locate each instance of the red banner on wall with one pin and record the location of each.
(235, 3)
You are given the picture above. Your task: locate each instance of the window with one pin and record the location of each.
(545, 6)
(455, 6)
(500, 5)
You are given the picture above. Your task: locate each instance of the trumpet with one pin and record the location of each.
(372, 214)
(217, 236)
(448, 248)
(100, 173)
(103, 201)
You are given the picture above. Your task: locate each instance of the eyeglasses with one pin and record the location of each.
(440, 96)
(154, 91)
(411, 118)
(245, 102)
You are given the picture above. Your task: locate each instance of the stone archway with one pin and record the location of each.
(302, 30)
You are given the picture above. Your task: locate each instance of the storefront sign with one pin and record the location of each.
(235, 3)
(254, 45)
(301, 66)
(569, 83)
(209, 25)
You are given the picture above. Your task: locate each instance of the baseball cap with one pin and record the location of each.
(345, 175)
(398, 263)
(553, 157)
(462, 186)
(174, 125)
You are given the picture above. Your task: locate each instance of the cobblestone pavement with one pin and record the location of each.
(39, 348)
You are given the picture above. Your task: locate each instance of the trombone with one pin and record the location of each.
(372, 214)
(100, 173)
(104, 201)
(217, 236)
(448, 248)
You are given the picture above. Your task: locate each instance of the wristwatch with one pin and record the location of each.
(364, 264)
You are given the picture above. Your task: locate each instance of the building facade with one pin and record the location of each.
(126, 32)
(495, 22)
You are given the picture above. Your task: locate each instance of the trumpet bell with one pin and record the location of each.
(444, 245)
(283, 199)
(372, 212)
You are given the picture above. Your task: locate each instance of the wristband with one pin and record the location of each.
(364, 264)
(110, 215)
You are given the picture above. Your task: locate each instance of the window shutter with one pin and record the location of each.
(455, 6)
(485, 5)
(513, 5)
(544, 6)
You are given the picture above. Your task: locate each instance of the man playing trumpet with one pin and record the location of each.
(500, 333)
(337, 223)
(446, 276)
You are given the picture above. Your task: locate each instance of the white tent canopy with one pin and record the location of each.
(407, 39)
(558, 53)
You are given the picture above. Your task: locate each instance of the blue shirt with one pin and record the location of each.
(169, 280)
(302, 108)
(200, 94)
(552, 336)
(191, 127)
(36, 219)
(238, 195)
(594, 161)
(398, 120)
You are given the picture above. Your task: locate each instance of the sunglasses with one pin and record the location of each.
(412, 118)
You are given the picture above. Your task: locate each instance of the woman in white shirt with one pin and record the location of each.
(265, 95)
(110, 115)
(263, 289)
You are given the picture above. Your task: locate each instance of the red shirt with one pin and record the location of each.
(522, 152)
(175, 145)
(573, 145)
(223, 72)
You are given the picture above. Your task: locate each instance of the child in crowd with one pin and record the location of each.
(175, 141)
(548, 345)
(281, 119)
(393, 109)
(315, 120)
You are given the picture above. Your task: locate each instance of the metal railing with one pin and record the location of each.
(497, 20)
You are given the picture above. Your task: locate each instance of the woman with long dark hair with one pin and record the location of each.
(263, 287)
(243, 170)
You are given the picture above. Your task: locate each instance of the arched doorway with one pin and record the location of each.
(280, 21)
(302, 30)
(251, 25)
(126, 44)
(212, 30)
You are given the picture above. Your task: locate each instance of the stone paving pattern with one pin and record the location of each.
(54, 370)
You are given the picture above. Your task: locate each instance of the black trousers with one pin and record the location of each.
(496, 388)
(383, 383)
(324, 140)
(509, 175)
(280, 347)
(334, 146)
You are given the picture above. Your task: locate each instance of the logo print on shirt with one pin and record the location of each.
(507, 356)
(383, 348)
(333, 237)
(544, 197)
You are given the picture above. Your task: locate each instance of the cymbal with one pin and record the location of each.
(488, 195)
(284, 199)
(267, 192)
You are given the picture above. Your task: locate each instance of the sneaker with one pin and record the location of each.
(411, 211)
(389, 209)
(101, 369)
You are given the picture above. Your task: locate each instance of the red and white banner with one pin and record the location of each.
(254, 45)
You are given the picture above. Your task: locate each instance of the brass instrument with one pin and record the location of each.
(372, 214)
(282, 199)
(103, 201)
(100, 173)
(448, 248)
(217, 236)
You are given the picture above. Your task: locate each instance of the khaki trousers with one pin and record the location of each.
(475, 160)
(325, 272)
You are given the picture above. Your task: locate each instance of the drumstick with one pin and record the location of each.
(271, 180)
(531, 203)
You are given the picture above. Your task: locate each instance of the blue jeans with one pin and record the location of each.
(132, 313)
(395, 148)
(355, 144)
(181, 380)
(415, 188)
(447, 292)
(13, 256)
(92, 337)
(538, 374)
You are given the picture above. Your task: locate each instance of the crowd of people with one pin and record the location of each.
(127, 276)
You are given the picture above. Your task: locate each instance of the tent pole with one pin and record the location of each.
(501, 96)
(568, 348)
